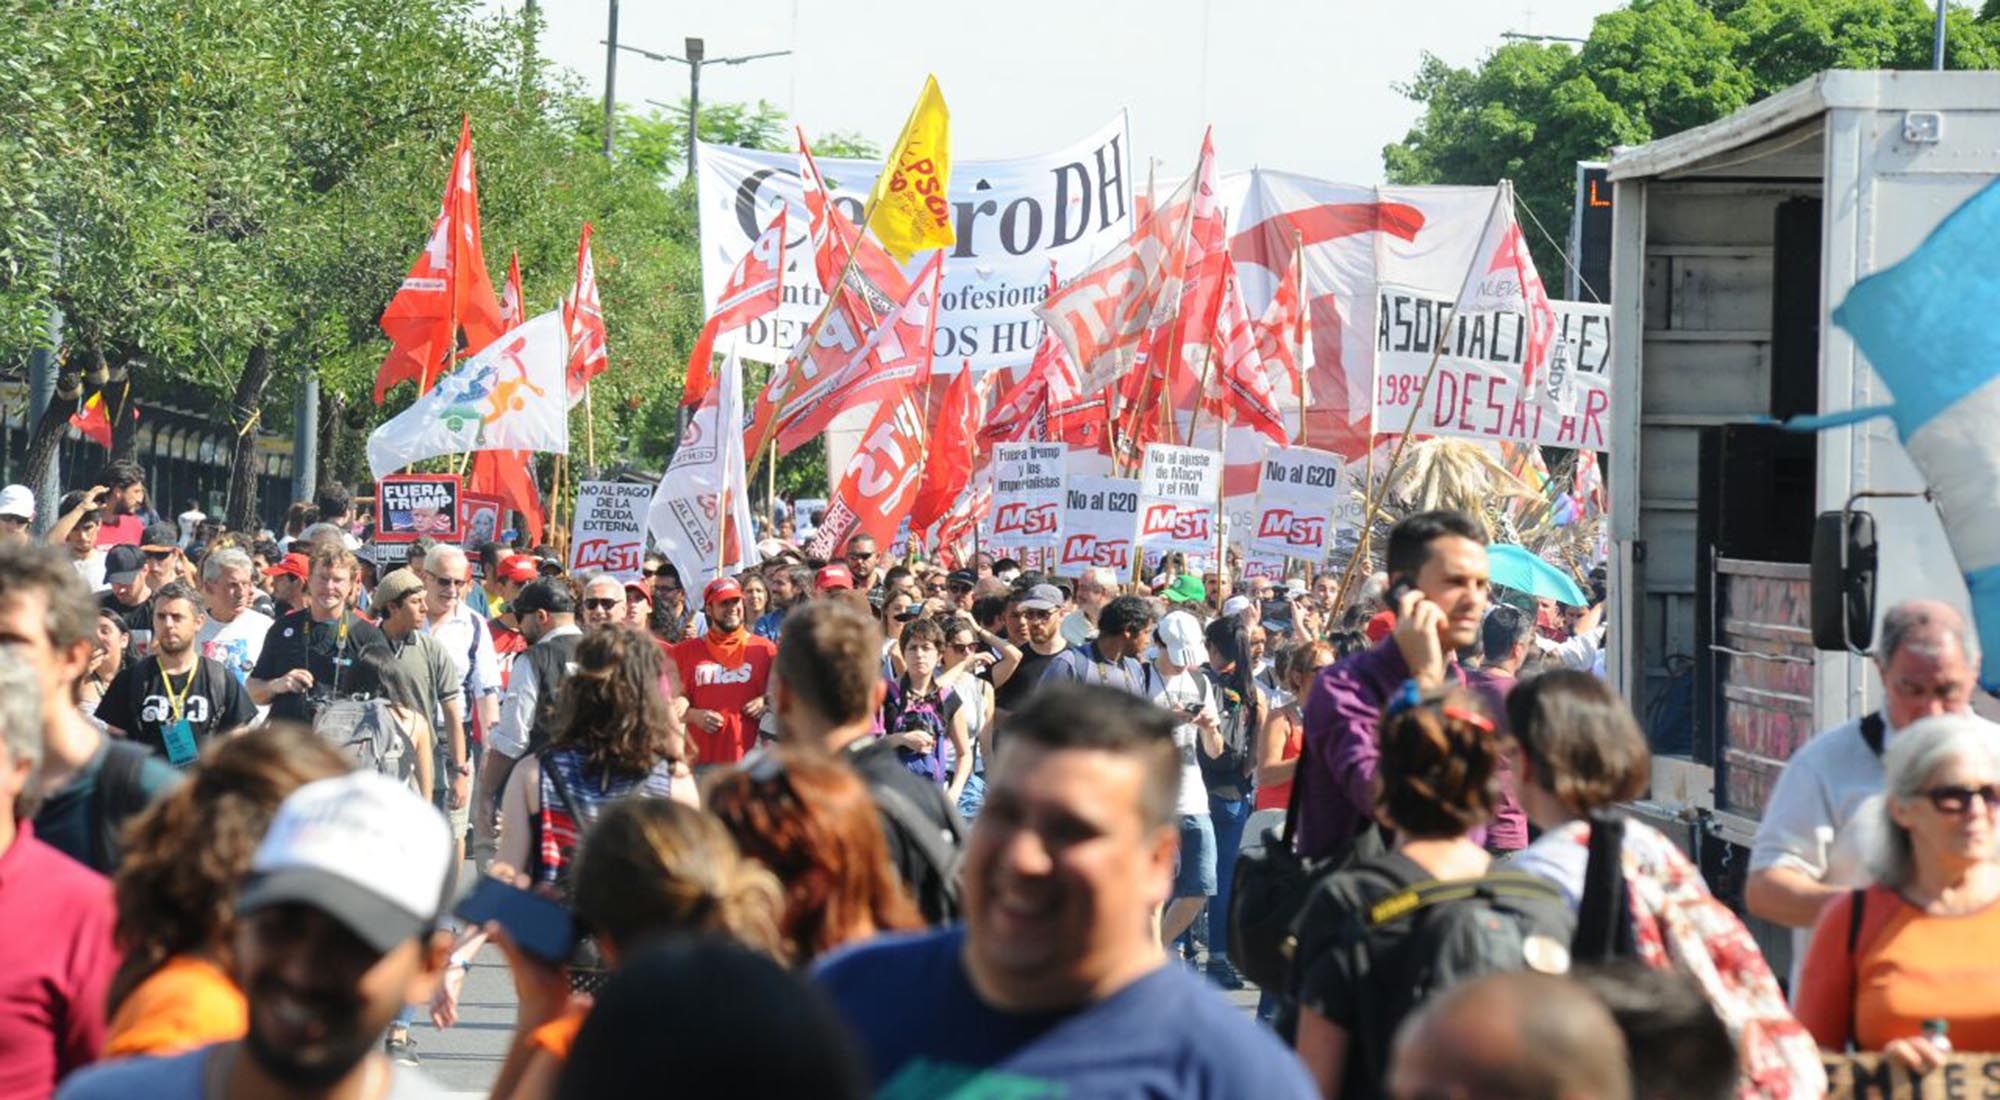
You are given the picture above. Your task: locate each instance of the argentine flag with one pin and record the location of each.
(1927, 327)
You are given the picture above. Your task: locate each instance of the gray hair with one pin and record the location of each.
(21, 721)
(1104, 577)
(1914, 755)
(442, 556)
(229, 557)
(608, 578)
(1920, 625)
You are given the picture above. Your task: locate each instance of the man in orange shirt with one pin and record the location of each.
(724, 673)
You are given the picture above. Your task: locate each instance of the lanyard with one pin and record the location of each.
(177, 703)
(340, 650)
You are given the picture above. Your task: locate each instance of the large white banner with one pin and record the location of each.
(1100, 517)
(1179, 505)
(1027, 495)
(610, 531)
(1297, 498)
(1477, 389)
(1013, 218)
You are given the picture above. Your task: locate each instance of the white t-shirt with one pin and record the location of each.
(91, 569)
(236, 643)
(1181, 690)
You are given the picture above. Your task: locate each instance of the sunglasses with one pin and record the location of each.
(1957, 800)
(1036, 615)
(600, 604)
(159, 555)
(860, 555)
(653, 572)
(451, 582)
(959, 647)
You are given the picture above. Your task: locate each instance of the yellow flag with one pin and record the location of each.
(910, 209)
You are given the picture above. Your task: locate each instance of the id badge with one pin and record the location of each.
(179, 736)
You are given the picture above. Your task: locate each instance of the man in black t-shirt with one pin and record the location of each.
(176, 700)
(308, 653)
(130, 595)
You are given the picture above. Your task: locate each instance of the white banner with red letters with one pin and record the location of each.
(1477, 389)
(610, 531)
(1298, 495)
(1028, 495)
(1099, 521)
(1179, 505)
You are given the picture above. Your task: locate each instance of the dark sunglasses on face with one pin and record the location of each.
(1036, 615)
(451, 582)
(1957, 800)
(601, 604)
(159, 555)
(650, 571)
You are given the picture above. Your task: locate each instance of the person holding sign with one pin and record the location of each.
(175, 700)
(1895, 966)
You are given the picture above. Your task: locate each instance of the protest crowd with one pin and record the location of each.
(927, 826)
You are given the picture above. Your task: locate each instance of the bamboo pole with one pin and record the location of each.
(589, 432)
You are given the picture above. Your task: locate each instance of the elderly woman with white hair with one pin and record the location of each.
(1901, 965)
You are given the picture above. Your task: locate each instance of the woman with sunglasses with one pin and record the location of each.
(1906, 964)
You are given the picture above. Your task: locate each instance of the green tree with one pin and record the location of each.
(1528, 112)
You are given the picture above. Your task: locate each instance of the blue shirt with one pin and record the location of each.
(924, 1032)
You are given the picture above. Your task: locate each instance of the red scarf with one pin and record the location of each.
(726, 649)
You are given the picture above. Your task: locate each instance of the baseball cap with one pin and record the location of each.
(16, 500)
(122, 564)
(548, 594)
(1179, 634)
(965, 578)
(291, 565)
(518, 569)
(160, 536)
(1187, 588)
(721, 589)
(1235, 605)
(361, 848)
(1042, 597)
(636, 591)
(1295, 587)
(833, 576)
(394, 585)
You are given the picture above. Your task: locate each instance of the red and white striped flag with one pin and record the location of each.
(583, 322)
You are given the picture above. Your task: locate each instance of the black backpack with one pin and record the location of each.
(121, 794)
(1408, 940)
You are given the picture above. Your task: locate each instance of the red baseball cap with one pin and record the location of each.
(519, 569)
(833, 576)
(721, 589)
(292, 565)
(1381, 626)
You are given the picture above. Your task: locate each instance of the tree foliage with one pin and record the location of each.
(1529, 111)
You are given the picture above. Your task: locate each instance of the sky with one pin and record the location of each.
(1300, 85)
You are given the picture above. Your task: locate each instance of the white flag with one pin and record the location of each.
(705, 481)
(1503, 279)
(509, 397)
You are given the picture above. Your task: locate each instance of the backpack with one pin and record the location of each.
(371, 735)
(1228, 775)
(120, 796)
(937, 838)
(1405, 940)
(905, 713)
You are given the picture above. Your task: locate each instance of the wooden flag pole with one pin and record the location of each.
(1299, 341)
(1221, 537)
(589, 432)
(1201, 395)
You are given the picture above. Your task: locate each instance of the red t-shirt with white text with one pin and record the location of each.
(712, 684)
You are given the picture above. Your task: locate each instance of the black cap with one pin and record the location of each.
(548, 594)
(964, 577)
(122, 564)
(160, 536)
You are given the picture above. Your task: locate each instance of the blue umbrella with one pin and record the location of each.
(1517, 568)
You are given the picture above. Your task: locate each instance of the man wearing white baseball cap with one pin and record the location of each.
(17, 512)
(337, 930)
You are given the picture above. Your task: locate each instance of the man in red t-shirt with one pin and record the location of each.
(724, 673)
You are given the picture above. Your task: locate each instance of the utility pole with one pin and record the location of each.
(697, 56)
(611, 81)
(1937, 39)
(305, 436)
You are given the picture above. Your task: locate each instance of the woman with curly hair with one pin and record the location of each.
(811, 821)
(615, 738)
(176, 890)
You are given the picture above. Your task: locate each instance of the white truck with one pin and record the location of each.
(1731, 245)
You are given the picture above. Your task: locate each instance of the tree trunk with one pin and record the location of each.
(332, 419)
(245, 408)
(45, 435)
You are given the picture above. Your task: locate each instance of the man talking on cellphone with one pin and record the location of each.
(1438, 589)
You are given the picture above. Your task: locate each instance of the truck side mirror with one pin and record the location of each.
(1843, 581)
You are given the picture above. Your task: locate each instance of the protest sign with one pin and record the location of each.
(1100, 517)
(610, 531)
(1028, 495)
(1012, 219)
(1257, 564)
(1178, 505)
(1874, 1077)
(479, 518)
(408, 506)
(1297, 496)
(1477, 389)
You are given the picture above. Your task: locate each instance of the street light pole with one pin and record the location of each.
(611, 81)
(695, 50)
(1937, 39)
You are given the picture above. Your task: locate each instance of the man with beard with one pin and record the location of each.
(1438, 589)
(176, 700)
(1038, 613)
(307, 653)
(287, 578)
(126, 512)
(337, 929)
(1054, 984)
(724, 673)
(790, 585)
(546, 614)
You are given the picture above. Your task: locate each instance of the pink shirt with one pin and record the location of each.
(56, 960)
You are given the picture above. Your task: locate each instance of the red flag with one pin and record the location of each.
(1281, 335)
(1242, 389)
(754, 289)
(510, 295)
(93, 421)
(509, 476)
(948, 460)
(1022, 410)
(880, 484)
(446, 304)
(896, 353)
(583, 322)
(874, 279)
(1202, 269)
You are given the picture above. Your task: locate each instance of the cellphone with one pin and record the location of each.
(1193, 710)
(539, 926)
(1396, 593)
